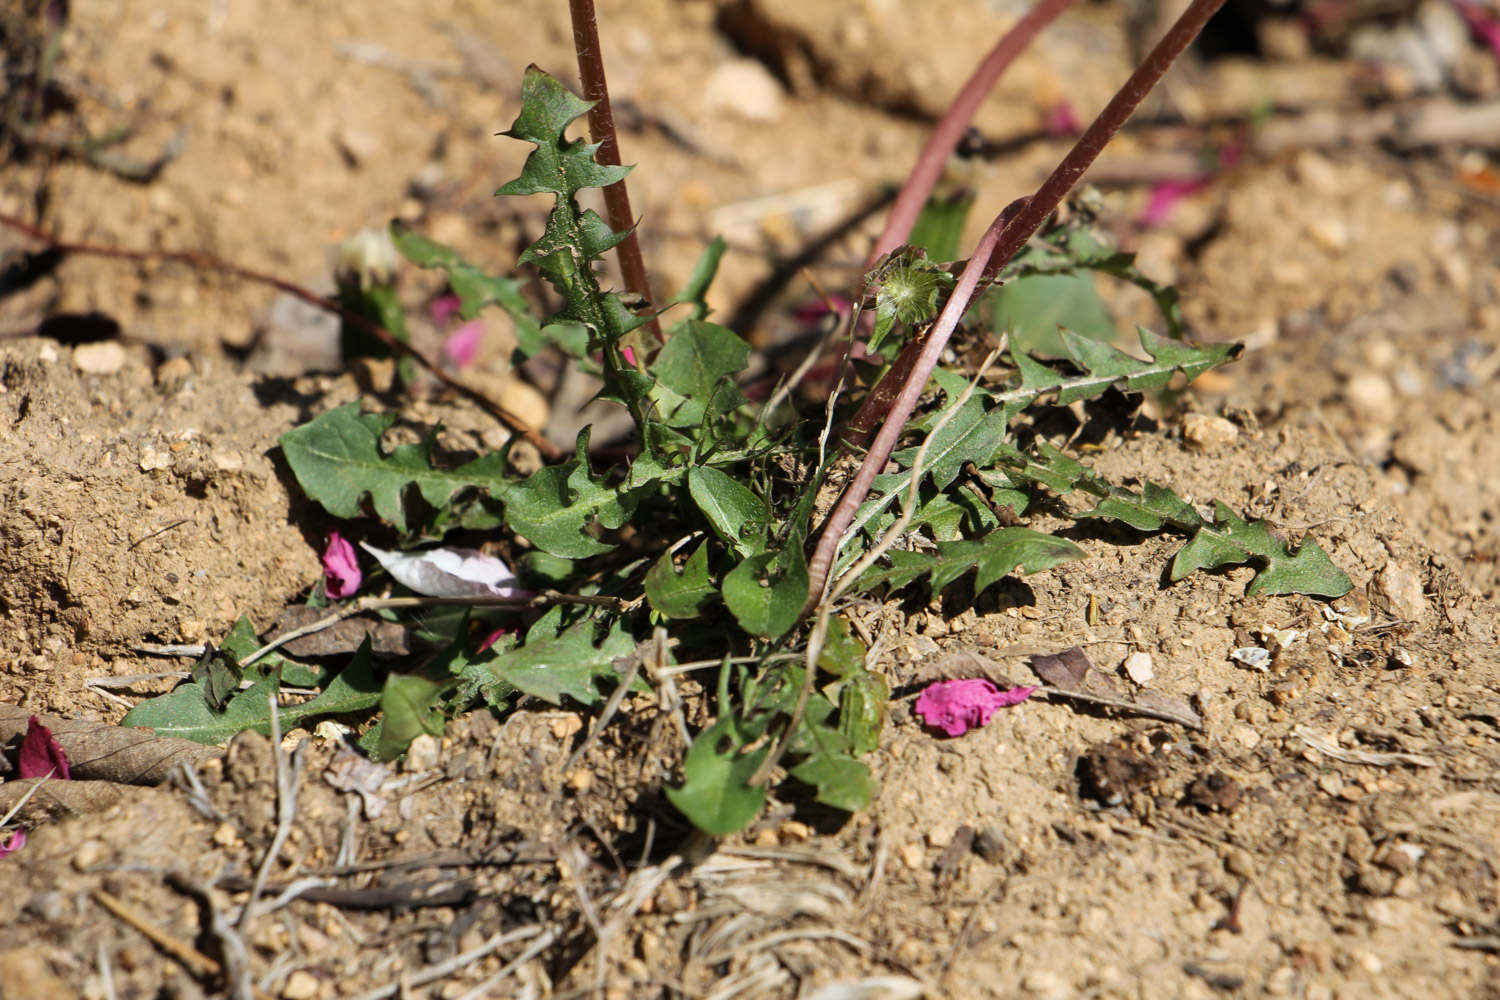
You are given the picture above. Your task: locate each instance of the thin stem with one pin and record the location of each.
(1001, 241)
(950, 128)
(1098, 134)
(885, 441)
(208, 262)
(602, 128)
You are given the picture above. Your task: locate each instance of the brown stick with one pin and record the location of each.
(602, 128)
(208, 262)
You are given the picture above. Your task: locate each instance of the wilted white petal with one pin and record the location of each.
(448, 572)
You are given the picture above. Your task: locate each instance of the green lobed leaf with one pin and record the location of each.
(337, 460)
(716, 795)
(737, 515)
(696, 364)
(556, 166)
(1227, 540)
(1231, 541)
(566, 665)
(863, 702)
(994, 556)
(765, 592)
(474, 288)
(557, 505)
(410, 706)
(682, 594)
(183, 712)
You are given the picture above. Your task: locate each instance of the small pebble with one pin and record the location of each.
(1138, 668)
(104, 358)
(745, 87)
(423, 754)
(1370, 393)
(1403, 590)
(1204, 432)
(301, 985)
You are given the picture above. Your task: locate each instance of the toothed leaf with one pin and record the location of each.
(338, 462)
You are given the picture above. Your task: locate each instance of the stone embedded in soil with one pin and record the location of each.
(104, 358)
(1204, 432)
(1403, 590)
(746, 88)
(1369, 393)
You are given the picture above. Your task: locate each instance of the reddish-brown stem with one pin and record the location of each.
(1004, 238)
(1101, 130)
(602, 128)
(950, 128)
(819, 566)
(207, 262)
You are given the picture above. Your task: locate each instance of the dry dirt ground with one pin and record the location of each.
(1329, 833)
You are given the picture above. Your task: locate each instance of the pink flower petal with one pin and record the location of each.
(955, 707)
(16, 841)
(443, 309)
(341, 573)
(1166, 195)
(494, 637)
(41, 755)
(629, 355)
(1061, 120)
(462, 345)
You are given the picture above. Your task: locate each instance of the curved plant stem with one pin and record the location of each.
(602, 128)
(950, 128)
(208, 262)
(1001, 241)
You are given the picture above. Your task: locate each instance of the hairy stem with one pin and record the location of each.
(602, 128)
(1001, 241)
(950, 128)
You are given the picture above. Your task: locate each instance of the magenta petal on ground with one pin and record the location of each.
(1165, 196)
(41, 755)
(462, 345)
(444, 308)
(340, 568)
(15, 843)
(955, 707)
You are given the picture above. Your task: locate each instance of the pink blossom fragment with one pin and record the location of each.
(1484, 25)
(41, 755)
(1166, 195)
(629, 355)
(341, 573)
(444, 308)
(1061, 120)
(14, 843)
(955, 707)
(462, 345)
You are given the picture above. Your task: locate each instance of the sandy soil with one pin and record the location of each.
(1329, 833)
